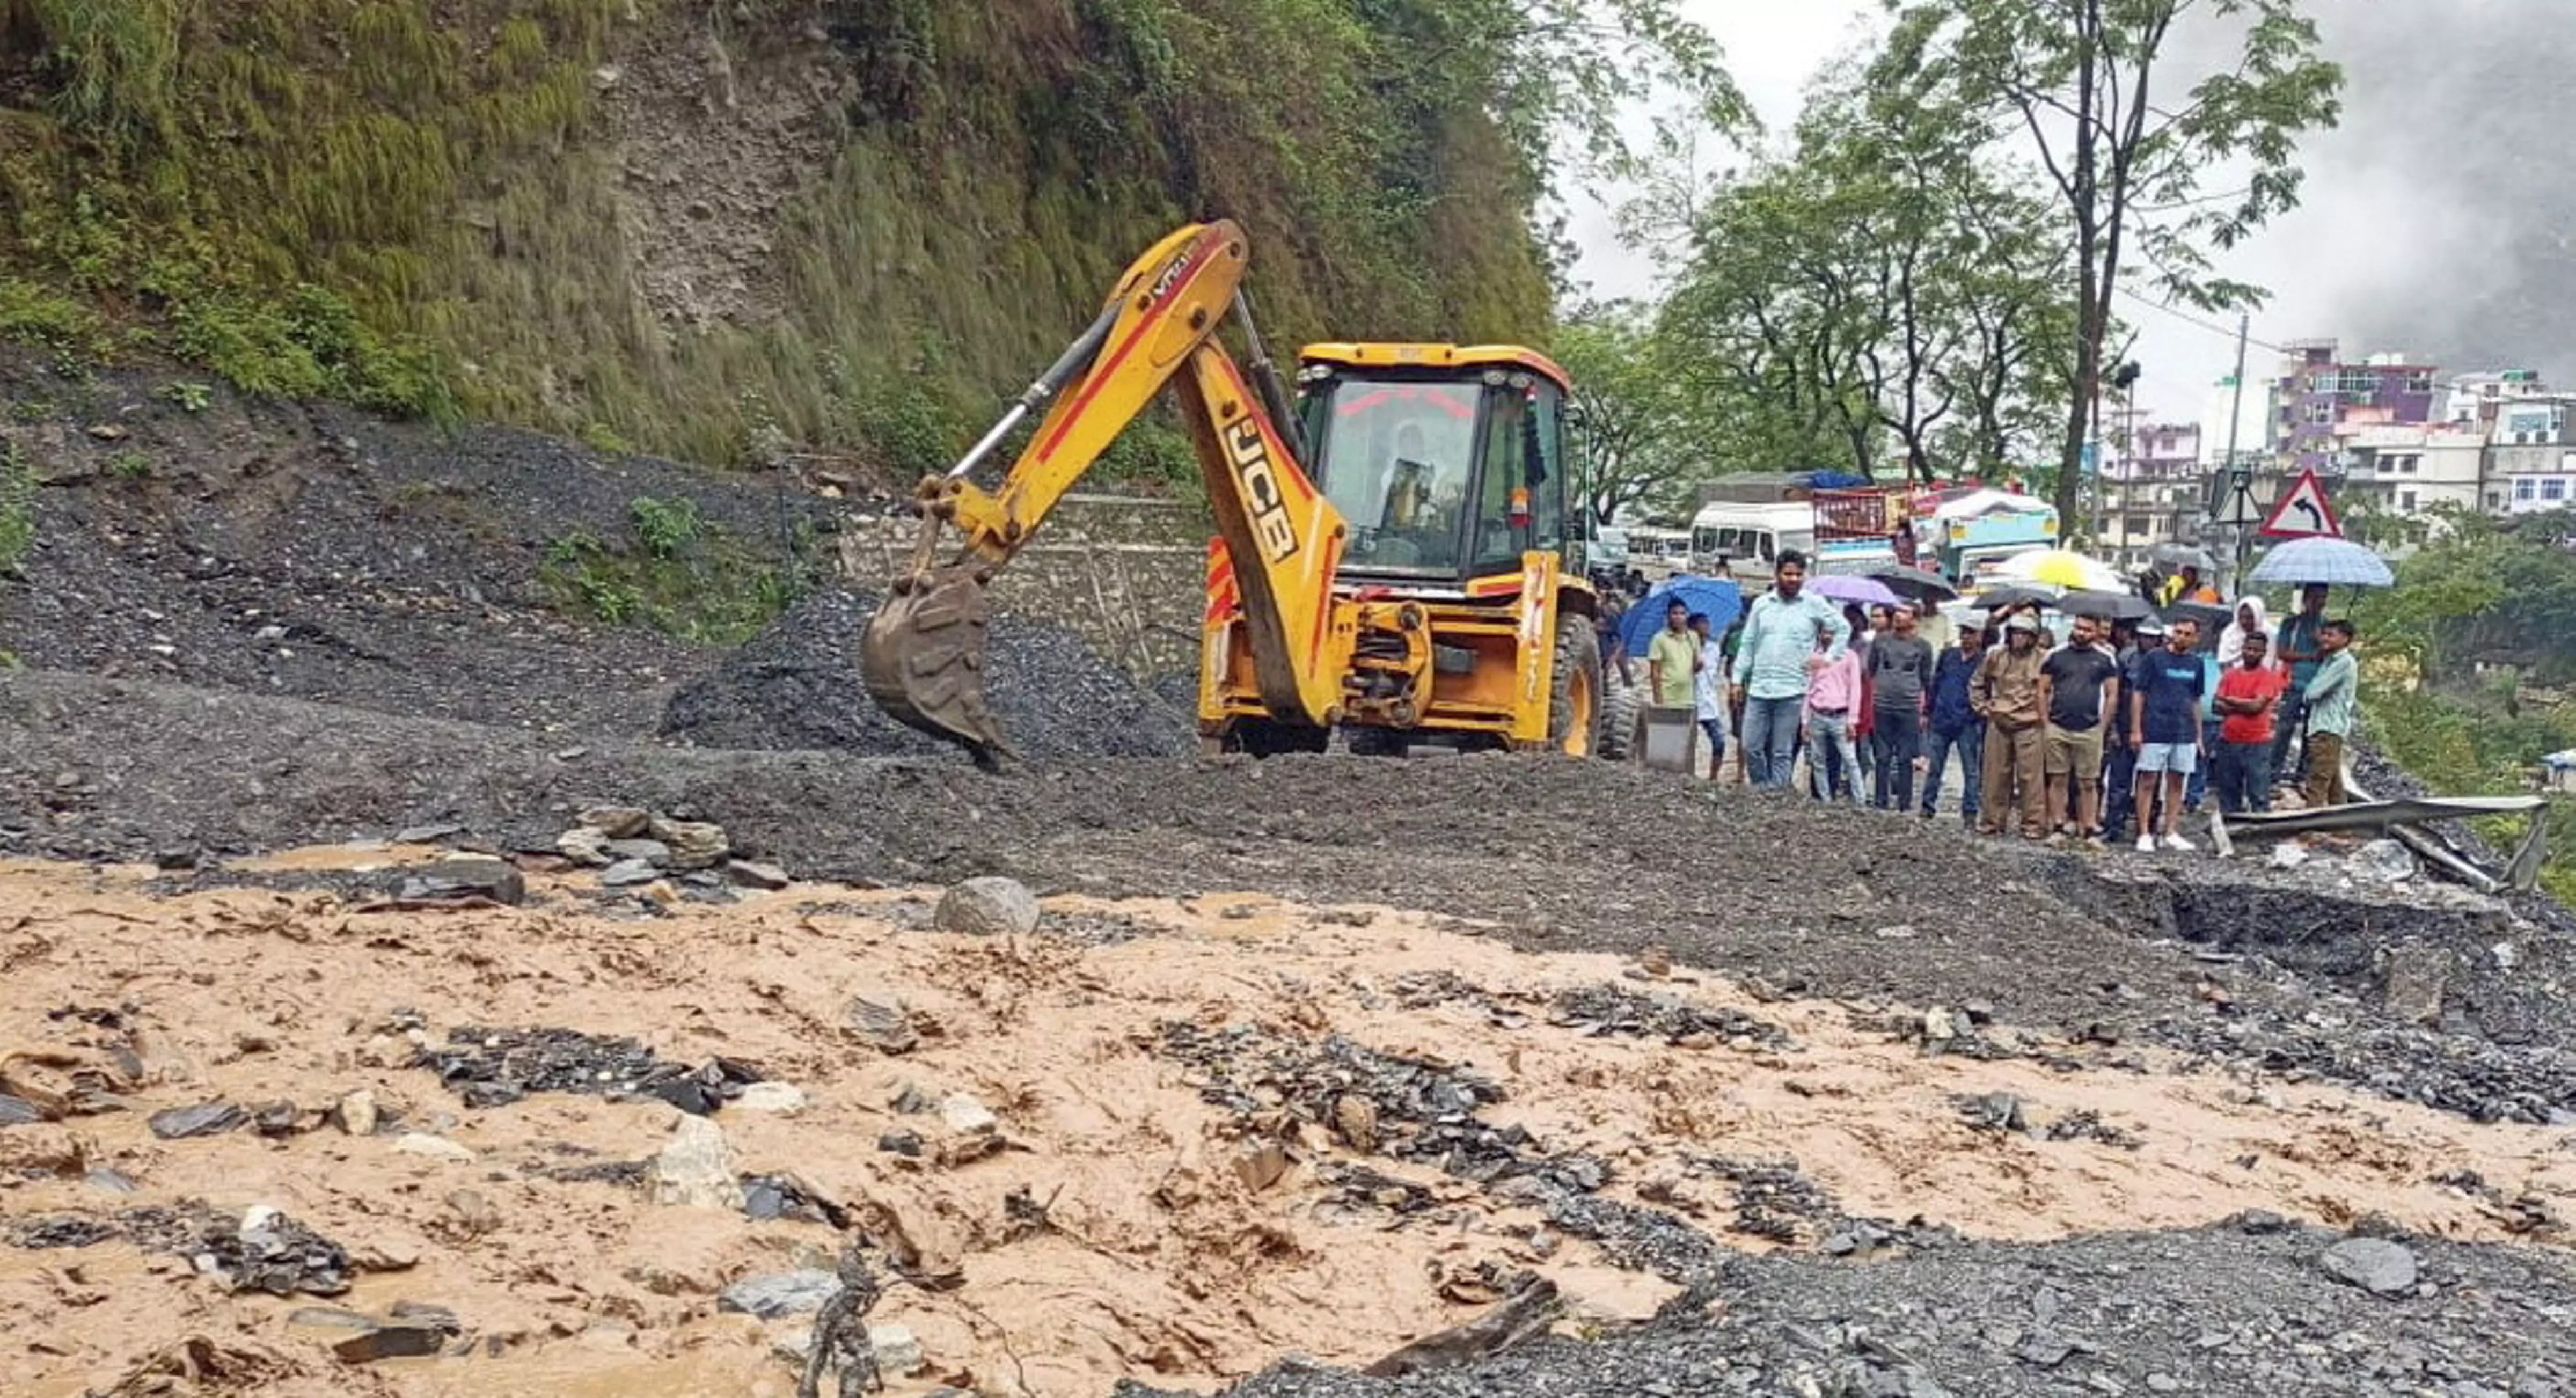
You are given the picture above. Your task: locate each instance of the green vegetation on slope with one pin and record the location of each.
(421, 205)
(2479, 616)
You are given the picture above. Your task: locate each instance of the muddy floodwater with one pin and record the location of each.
(1173, 1140)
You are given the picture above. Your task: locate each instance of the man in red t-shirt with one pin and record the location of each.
(2248, 696)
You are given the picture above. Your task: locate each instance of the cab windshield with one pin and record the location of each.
(1397, 457)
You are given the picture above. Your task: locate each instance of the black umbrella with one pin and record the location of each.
(2020, 595)
(2184, 556)
(2118, 606)
(1919, 584)
(2210, 616)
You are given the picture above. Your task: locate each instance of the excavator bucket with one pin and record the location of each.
(923, 659)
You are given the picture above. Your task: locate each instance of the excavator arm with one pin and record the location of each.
(923, 655)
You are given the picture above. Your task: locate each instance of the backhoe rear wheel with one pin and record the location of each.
(1574, 708)
(1626, 710)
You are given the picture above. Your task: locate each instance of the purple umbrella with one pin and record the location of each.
(1869, 592)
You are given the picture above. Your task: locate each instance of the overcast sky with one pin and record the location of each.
(2435, 221)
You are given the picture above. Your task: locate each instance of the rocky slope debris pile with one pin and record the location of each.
(796, 687)
(2256, 1306)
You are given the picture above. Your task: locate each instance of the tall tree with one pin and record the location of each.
(1884, 295)
(1636, 444)
(2128, 123)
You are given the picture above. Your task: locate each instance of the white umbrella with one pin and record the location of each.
(2336, 562)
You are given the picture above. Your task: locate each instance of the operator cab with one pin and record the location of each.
(1448, 463)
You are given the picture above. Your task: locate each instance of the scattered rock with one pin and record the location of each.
(898, 1350)
(694, 844)
(881, 1025)
(1259, 1164)
(786, 1099)
(18, 1111)
(2259, 1222)
(990, 906)
(584, 846)
(176, 859)
(617, 822)
(472, 1214)
(204, 1119)
(966, 1116)
(747, 873)
(1355, 1121)
(356, 1113)
(430, 1147)
(2384, 860)
(450, 879)
(649, 851)
(278, 1119)
(427, 834)
(494, 1067)
(2376, 1265)
(695, 1170)
(409, 1331)
(780, 1294)
(2414, 977)
(628, 873)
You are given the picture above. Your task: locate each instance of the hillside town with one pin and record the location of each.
(2395, 441)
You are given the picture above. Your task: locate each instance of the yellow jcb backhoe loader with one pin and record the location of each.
(1389, 557)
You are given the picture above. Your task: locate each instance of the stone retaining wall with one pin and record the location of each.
(1126, 573)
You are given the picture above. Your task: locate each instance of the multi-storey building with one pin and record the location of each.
(2317, 393)
(2408, 468)
(2151, 488)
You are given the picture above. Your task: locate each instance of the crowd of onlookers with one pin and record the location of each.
(2124, 723)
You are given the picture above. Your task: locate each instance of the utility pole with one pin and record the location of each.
(2236, 414)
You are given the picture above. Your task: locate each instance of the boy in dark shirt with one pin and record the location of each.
(2165, 728)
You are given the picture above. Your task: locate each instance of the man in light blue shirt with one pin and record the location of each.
(1773, 662)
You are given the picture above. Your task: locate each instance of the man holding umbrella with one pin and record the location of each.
(1774, 662)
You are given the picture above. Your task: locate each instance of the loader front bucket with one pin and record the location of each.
(923, 659)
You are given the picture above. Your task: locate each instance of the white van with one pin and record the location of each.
(1747, 537)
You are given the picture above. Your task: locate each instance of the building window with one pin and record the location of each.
(2406, 501)
(2554, 488)
(2136, 526)
(2408, 463)
(2495, 500)
(2320, 413)
(2522, 489)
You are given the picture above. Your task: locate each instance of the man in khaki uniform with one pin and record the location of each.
(2006, 695)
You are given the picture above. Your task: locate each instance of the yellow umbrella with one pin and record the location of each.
(2062, 568)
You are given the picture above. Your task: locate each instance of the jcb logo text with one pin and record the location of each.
(1262, 502)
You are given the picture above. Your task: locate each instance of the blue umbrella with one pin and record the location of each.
(1723, 601)
(2335, 562)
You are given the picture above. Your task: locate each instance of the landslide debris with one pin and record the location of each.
(796, 687)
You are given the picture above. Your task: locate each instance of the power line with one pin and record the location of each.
(2227, 332)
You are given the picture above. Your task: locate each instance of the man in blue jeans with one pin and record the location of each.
(1773, 661)
(1955, 727)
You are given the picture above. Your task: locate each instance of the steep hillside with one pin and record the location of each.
(725, 230)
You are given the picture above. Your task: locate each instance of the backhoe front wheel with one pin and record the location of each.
(1574, 707)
